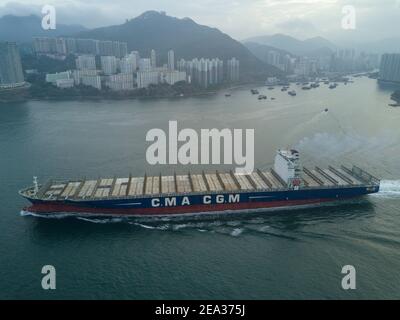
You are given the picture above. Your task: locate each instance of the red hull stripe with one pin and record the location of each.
(56, 208)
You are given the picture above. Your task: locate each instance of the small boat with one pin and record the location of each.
(227, 94)
(254, 91)
(262, 97)
(306, 88)
(292, 93)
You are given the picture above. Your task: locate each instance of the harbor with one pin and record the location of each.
(76, 141)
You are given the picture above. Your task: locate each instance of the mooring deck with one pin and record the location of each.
(189, 183)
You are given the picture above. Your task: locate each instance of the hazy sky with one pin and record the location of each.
(375, 19)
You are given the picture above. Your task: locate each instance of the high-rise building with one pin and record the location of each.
(171, 60)
(109, 64)
(233, 70)
(146, 78)
(153, 58)
(204, 72)
(172, 77)
(64, 46)
(92, 81)
(128, 64)
(85, 62)
(11, 74)
(120, 81)
(390, 67)
(79, 74)
(144, 64)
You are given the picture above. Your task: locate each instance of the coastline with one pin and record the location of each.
(25, 95)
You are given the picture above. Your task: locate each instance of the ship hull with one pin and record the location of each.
(200, 203)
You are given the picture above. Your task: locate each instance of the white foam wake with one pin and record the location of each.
(390, 187)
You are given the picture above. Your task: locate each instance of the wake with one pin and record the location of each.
(389, 188)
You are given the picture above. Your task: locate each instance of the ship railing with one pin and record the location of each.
(362, 175)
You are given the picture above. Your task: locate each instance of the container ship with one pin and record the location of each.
(287, 184)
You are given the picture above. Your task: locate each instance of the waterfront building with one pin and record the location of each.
(233, 70)
(145, 64)
(120, 81)
(85, 62)
(109, 64)
(53, 77)
(65, 83)
(153, 58)
(11, 74)
(171, 60)
(77, 75)
(204, 72)
(390, 68)
(92, 81)
(145, 78)
(173, 76)
(128, 64)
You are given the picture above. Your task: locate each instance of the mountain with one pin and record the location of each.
(312, 46)
(158, 31)
(261, 50)
(23, 29)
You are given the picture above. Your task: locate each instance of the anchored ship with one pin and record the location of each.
(284, 185)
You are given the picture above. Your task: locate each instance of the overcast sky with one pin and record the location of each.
(375, 19)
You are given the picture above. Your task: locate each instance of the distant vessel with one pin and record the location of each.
(292, 93)
(333, 86)
(227, 94)
(262, 97)
(254, 91)
(306, 88)
(286, 185)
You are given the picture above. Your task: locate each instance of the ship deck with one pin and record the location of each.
(160, 185)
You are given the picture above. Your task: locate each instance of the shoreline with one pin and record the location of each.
(25, 97)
